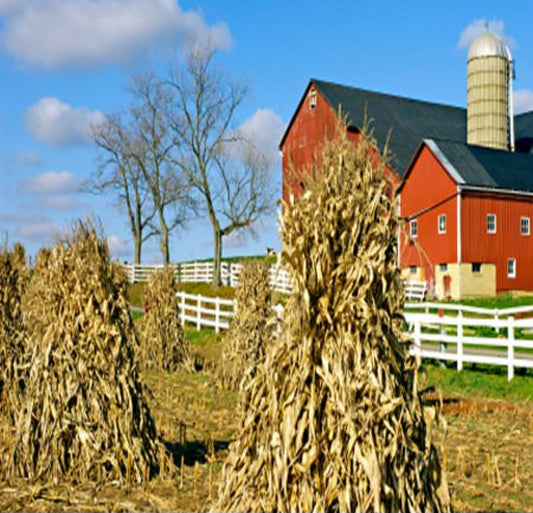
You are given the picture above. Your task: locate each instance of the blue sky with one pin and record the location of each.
(65, 64)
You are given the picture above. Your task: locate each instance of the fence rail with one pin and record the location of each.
(435, 335)
(205, 311)
(456, 338)
(202, 272)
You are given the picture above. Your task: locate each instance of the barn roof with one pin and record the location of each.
(404, 121)
(485, 167)
(407, 121)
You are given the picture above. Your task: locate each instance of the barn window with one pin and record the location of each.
(413, 228)
(442, 223)
(476, 267)
(412, 269)
(312, 99)
(524, 226)
(443, 267)
(491, 223)
(511, 268)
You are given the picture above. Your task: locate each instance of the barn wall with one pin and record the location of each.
(507, 242)
(303, 142)
(306, 135)
(428, 192)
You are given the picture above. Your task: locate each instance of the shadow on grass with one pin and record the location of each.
(195, 451)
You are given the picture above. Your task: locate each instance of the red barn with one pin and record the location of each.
(465, 176)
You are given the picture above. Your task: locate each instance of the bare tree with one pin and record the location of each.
(227, 172)
(119, 171)
(168, 186)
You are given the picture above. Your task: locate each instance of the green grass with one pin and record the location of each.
(486, 382)
(503, 301)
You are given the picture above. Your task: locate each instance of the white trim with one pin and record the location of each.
(438, 223)
(512, 192)
(513, 274)
(413, 222)
(525, 218)
(459, 225)
(492, 232)
(432, 145)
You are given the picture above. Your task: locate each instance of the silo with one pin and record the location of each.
(489, 70)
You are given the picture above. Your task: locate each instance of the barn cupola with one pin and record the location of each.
(489, 69)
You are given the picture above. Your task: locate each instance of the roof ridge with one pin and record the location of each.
(389, 95)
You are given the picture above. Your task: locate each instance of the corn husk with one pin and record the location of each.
(14, 278)
(333, 421)
(250, 331)
(83, 415)
(163, 345)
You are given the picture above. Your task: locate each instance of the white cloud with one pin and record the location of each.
(117, 246)
(84, 33)
(51, 182)
(522, 100)
(29, 159)
(34, 227)
(59, 124)
(479, 26)
(59, 202)
(265, 129)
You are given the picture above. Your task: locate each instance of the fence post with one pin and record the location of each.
(279, 310)
(510, 345)
(217, 314)
(460, 340)
(181, 306)
(497, 317)
(198, 313)
(417, 337)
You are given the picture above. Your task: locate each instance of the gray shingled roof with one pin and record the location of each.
(487, 167)
(408, 121)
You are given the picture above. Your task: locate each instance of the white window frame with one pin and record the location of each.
(413, 228)
(511, 272)
(525, 223)
(494, 230)
(443, 218)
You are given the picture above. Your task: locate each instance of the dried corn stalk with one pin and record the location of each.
(163, 343)
(14, 277)
(83, 415)
(251, 329)
(333, 420)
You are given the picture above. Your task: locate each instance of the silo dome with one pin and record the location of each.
(488, 44)
(489, 69)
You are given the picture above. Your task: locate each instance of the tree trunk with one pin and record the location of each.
(217, 257)
(163, 243)
(138, 245)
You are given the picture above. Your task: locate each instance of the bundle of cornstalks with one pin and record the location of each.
(333, 420)
(163, 343)
(250, 330)
(14, 277)
(83, 415)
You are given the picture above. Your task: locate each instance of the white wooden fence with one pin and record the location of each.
(450, 335)
(415, 290)
(202, 272)
(205, 311)
(211, 312)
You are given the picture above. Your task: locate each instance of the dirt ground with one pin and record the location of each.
(488, 454)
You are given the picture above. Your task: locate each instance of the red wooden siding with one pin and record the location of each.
(306, 134)
(309, 128)
(507, 242)
(428, 192)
